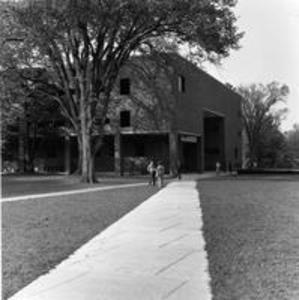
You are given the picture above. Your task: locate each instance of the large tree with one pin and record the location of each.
(262, 113)
(292, 137)
(84, 43)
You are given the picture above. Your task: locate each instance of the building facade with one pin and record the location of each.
(169, 110)
(166, 109)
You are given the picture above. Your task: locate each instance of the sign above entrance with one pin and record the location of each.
(189, 139)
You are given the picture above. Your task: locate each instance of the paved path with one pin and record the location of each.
(154, 252)
(72, 192)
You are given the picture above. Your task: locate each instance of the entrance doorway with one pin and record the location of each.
(190, 157)
(214, 145)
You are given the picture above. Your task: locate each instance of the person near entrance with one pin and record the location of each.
(218, 166)
(179, 170)
(152, 171)
(160, 174)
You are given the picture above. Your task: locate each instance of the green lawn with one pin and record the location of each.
(251, 227)
(38, 234)
(18, 185)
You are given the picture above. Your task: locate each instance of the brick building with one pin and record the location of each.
(165, 109)
(173, 113)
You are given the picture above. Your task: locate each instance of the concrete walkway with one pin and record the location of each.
(72, 192)
(154, 252)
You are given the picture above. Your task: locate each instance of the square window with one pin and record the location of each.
(181, 84)
(236, 153)
(124, 86)
(125, 118)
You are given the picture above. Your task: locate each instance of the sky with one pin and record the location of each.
(269, 49)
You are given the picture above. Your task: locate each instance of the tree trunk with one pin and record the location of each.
(94, 178)
(87, 165)
(23, 147)
(78, 170)
(252, 155)
(31, 148)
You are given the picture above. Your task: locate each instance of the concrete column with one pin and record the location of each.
(180, 152)
(118, 154)
(173, 152)
(202, 146)
(199, 154)
(202, 142)
(67, 155)
(223, 145)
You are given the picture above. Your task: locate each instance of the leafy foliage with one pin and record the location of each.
(261, 122)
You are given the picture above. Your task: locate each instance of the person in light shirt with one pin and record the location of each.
(152, 171)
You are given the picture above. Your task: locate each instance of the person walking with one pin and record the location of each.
(218, 166)
(152, 171)
(160, 174)
(179, 170)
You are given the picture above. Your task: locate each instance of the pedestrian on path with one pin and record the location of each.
(152, 171)
(179, 170)
(160, 174)
(218, 166)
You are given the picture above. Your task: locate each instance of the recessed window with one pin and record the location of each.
(236, 153)
(125, 118)
(124, 86)
(181, 84)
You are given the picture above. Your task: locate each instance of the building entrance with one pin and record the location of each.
(213, 140)
(189, 157)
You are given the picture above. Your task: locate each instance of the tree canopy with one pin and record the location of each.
(261, 120)
(84, 43)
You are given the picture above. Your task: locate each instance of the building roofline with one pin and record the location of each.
(175, 57)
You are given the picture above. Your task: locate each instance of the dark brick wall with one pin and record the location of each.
(202, 93)
(205, 92)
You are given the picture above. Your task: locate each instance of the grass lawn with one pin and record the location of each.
(251, 228)
(18, 185)
(38, 234)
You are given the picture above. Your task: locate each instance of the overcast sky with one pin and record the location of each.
(270, 49)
